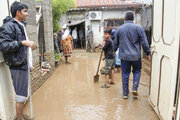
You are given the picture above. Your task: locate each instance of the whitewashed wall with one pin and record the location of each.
(109, 14)
(7, 102)
(98, 25)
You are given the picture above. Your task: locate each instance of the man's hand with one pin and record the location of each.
(30, 44)
(148, 57)
(103, 43)
(114, 52)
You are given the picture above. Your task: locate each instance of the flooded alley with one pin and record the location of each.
(71, 94)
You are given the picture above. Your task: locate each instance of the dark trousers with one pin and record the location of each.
(126, 69)
(75, 42)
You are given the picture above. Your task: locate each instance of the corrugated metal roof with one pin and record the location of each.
(106, 3)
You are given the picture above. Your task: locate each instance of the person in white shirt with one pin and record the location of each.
(74, 35)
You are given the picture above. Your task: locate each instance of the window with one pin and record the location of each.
(115, 22)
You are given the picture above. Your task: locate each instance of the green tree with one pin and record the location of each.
(59, 7)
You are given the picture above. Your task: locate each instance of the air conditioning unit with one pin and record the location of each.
(95, 15)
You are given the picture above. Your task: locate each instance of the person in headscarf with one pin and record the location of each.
(67, 44)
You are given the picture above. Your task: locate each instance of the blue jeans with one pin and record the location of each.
(75, 42)
(126, 69)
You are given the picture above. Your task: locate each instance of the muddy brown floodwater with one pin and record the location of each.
(71, 94)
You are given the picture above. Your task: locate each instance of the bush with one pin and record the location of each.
(60, 7)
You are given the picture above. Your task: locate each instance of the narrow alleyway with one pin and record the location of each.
(71, 94)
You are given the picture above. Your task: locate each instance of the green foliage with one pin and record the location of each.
(56, 56)
(59, 7)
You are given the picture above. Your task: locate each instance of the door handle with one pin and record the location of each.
(152, 46)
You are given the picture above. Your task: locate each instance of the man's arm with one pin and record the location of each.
(113, 36)
(30, 44)
(7, 42)
(106, 45)
(92, 35)
(143, 40)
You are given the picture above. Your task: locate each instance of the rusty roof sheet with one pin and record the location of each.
(106, 3)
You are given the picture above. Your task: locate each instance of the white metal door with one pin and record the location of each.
(97, 31)
(165, 48)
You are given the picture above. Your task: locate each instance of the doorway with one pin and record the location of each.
(81, 42)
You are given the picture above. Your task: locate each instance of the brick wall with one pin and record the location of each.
(38, 77)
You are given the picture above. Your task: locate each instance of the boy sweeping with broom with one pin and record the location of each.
(108, 48)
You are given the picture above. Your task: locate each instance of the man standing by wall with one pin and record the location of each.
(89, 38)
(129, 39)
(16, 50)
(74, 35)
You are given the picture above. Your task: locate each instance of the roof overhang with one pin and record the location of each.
(76, 22)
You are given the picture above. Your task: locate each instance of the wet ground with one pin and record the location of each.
(71, 94)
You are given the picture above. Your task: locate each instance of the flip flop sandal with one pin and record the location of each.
(105, 86)
(27, 117)
(68, 62)
(112, 82)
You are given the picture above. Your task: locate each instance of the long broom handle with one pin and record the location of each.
(29, 85)
(31, 106)
(99, 62)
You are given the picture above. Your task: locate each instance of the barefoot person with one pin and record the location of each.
(108, 48)
(16, 50)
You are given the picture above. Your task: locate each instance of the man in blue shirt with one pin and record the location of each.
(129, 39)
(112, 31)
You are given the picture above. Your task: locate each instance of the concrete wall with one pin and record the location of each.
(146, 16)
(46, 46)
(31, 26)
(7, 95)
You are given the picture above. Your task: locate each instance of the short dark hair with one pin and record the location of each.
(107, 31)
(17, 6)
(129, 16)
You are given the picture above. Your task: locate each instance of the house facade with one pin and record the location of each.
(98, 14)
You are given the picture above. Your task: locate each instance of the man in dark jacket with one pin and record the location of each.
(129, 39)
(16, 49)
(112, 31)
